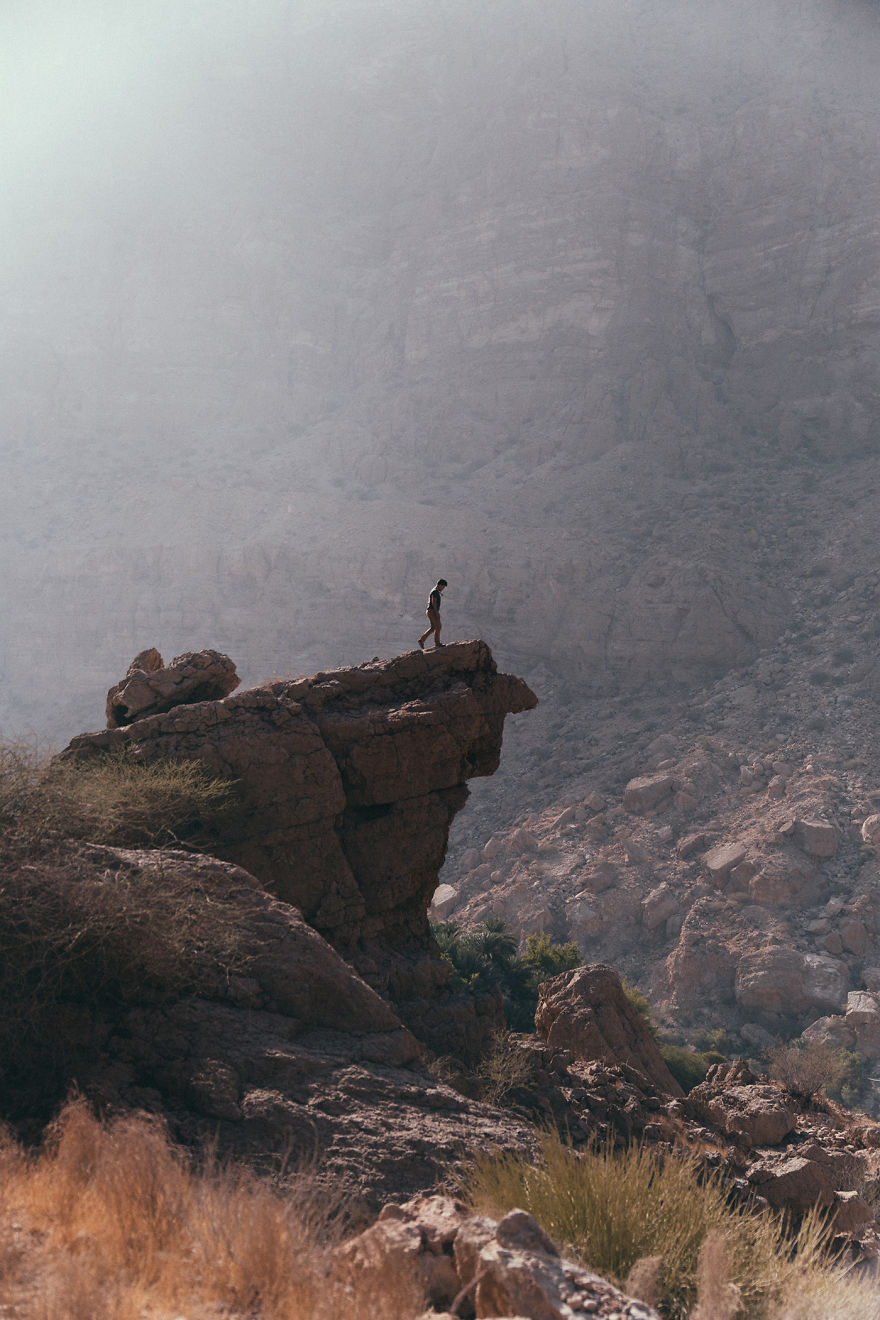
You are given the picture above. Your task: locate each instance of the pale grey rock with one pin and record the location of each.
(659, 905)
(871, 829)
(786, 982)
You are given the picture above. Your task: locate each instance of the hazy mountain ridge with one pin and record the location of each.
(563, 304)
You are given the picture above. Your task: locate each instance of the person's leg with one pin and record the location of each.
(432, 618)
(437, 627)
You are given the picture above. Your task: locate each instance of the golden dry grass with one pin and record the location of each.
(111, 1222)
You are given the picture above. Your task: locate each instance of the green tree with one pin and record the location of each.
(485, 961)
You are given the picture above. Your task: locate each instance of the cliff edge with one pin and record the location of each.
(349, 781)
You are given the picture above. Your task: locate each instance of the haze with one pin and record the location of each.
(305, 304)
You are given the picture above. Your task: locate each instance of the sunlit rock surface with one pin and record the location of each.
(349, 781)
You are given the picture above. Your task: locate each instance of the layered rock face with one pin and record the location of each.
(349, 781)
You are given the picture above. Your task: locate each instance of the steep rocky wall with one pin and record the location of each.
(349, 781)
(583, 364)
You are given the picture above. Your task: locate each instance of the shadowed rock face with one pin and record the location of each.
(349, 782)
(586, 1011)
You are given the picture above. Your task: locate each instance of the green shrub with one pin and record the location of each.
(688, 1067)
(639, 1001)
(613, 1209)
(485, 961)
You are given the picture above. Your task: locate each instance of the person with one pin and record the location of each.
(433, 613)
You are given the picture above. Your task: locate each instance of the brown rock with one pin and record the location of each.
(763, 1113)
(265, 1041)
(508, 1269)
(871, 829)
(587, 1012)
(690, 844)
(720, 861)
(642, 794)
(349, 782)
(660, 904)
(854, 937)
(149, 687)
(816, 837)
(851, 1212)
(862, 1018)
(785, 879)
(793, 1183)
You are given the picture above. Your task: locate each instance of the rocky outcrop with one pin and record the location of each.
(733, 1101)
(348, 782)
(587, 1012)
(262, 1040)
(509, 1268)
(150, 687)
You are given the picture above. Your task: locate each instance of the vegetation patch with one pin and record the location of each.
(112, 1222)
(810, 1068)
(485, 961)
(116, 798)
(688, 1066)
(83, 931)
(615, 1211)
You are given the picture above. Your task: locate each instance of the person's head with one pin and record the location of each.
(441, 583)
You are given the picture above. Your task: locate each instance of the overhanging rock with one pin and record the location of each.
(349, 781)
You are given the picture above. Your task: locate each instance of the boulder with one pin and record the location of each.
(659, 905)
(444, 900)
(586, 1011)
(732, 1100)
(816, 837)
(871, 829)
(862, 1018)
(851, 1212)
(509, 1268)
(150, 687)
(793, 1183)
(244, 1027)
(786, 982)
(832, 1030)
(644, 793)
(854, 936)
(720, 861)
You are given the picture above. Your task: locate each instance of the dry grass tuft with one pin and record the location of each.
(612, 1210)
(505, 1067)
(115, 799)
(110, 1220)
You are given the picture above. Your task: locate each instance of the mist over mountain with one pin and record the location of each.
(305, 304)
